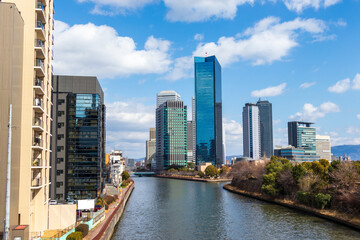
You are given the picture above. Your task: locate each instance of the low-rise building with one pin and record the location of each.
(323, 147)
(294, 154)
(117, 166)
(203, 166)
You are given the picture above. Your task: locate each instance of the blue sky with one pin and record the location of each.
(301, 55)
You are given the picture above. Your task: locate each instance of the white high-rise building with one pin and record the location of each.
(251, 131)
(323, 147)
(168, 95)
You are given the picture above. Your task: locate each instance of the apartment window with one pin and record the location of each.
(58, 196)
(60, 113)
(59, 172)
(60, 136)
(59, 160)
(60, 125)
(61, 101)
(59, 184)
(59, 148)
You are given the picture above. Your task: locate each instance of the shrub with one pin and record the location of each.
(304, 197)
(211, 171)
(75, 236)
(201, 174)
(224, 170)
(172, 170)
(322, 200)
(125, 183)
(184, 169)
(109, 199)
(270, 190)
(125, 175)
(298, 171)
(83, 228)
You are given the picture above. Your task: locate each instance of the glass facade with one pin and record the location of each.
(208, 113)
(302, 135)
(84, 150)
(266, 128)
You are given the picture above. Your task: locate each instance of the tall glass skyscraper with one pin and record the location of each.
(266, 128)
(208, 111)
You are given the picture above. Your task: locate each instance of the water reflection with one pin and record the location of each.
(175, 209)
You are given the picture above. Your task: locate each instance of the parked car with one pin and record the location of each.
(53, 202)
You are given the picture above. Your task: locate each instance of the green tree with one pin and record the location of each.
(298, 171)
(191, 165)
(201, 174)
(125, 175)
(224, 170)
(211, 171)
(322, 200)
(184, 169)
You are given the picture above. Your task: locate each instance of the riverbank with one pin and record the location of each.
(105, 229)
(350, 221)
(190, 178)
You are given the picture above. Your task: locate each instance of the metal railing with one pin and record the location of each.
(39, 43)
(36, 182)
(39, 63)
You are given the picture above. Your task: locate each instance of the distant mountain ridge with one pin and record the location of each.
(352, 151)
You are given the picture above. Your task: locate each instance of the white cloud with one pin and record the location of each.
(268, 41)
(116, 6)
(199, 37)
(340, 86)
(358, 116)
(336, 141)
(201, 10)
(312, 113)
(356, 82)
(307, 85)
(128, 126)
(233, 137)
(99, 50)
(277, 121)
(300, 5)
(353, 130)
(269, 92)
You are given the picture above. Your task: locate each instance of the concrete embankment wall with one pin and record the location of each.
(347, 220)
(193, 178)
(109, 226)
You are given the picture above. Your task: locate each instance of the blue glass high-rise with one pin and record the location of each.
(208, 111)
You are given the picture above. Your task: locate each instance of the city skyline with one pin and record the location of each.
(297, 68)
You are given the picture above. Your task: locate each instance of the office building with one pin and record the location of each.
(193, 130)
(190, 141)
(208, 111)
(150, 147)
(78, 156)
(168, 95)
(294, 154)
(266, 128)
(171, 134)
(31, 34)
(251, 131)
(323, 147)
(302, 135)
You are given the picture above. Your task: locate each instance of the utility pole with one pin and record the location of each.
(8, 176)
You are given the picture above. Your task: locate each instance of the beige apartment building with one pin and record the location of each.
(323, 147)
(32, 118)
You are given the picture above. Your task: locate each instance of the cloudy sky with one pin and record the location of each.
(301, 55)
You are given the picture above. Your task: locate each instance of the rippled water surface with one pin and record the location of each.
(175, 209)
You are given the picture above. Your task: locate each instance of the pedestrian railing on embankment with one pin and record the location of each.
(110, 219)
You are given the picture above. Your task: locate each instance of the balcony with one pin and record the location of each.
(36, 163)
(38, 105)
(40, 11)
(39, 86)
(39, 67)
(38, 124)
(39, 28)
(36, 183)
(39, 47)
(53, 39)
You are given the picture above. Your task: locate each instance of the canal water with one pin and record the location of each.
(176, 209)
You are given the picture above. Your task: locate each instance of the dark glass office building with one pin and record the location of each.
(302, 135)
(78, 142)
(208, 111)
(266, 128)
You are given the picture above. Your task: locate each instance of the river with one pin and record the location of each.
(176, 209)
